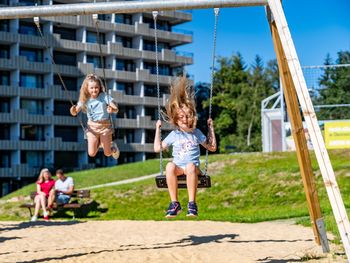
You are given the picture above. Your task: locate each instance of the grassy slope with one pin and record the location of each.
(245, 188)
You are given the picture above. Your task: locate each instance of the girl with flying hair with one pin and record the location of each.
(97, 105)
(185, 140)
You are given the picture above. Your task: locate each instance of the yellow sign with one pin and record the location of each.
(337, 134)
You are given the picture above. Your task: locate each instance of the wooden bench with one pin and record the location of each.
(80, 199)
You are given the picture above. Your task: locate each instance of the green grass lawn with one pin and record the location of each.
(248, 187)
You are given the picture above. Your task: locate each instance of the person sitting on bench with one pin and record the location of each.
(64, 187)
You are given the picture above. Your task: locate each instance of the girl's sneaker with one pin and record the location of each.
(34, 218)
(115, 151)
(46, 216)
(192, 209)
(173, 210)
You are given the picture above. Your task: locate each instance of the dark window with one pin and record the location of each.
(70, 82)
(68, 134)
(66, 160)
(151, 90)
(27, 28)
(103, 17)
(150, 136)
(4, 105)
(32, 55)
(95, 60)
(4, 51)
(163, 69)
(5, 131)
(130, 135)
(33, 106)
(126, 87)
(5, 159)
(161, 25)
(5, 25)
(32, 132)
(91, 37)
(31, 81)
(150, 46)
(153, 112)
(125, 41)
(4, 78)
(29, 2)
(123, 19)
(126, 112)
(65, 33)
(34, 159)
(62, 108)
(126, 65)
(64, 58)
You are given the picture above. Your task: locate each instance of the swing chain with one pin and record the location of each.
(155, 15)
(216, 13)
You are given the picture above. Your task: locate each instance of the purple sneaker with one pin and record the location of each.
(173, 210)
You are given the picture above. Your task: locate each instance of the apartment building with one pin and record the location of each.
(36, 129)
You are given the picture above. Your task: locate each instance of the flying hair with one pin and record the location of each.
(181, 95)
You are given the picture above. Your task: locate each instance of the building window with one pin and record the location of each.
(123, 19)
(161, 25)
(150, 136)
(27, 28)
(32, 55)
(126, 87)
(31, 81)
(64, 58)
(130, 136)
(164, 70)
(103, 17)
(67, 134)
(5, 131)
(4, 51)
(65, 33)
(95, 60)
(152, 112)
(62, 108)
(126, 65)
(32, 132)
(126, 112)
(4, 78)
(125, 41)
(70, 82)
(150, 46)
(5, 159)
(91, 37)
(5, 105)
(5, 25)
(29, 2)
(35, 107)
(66, 160)
(34, 159)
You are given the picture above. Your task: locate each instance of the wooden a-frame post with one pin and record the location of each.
(295, 91)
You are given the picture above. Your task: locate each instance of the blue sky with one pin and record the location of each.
(317, 27)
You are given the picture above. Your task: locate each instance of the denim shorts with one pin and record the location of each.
(62, 199)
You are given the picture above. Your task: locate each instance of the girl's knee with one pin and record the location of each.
(191, 168)
(170, 167)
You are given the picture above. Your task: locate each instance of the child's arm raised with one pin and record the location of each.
(74, 110)
(156, 145)
(210, 144)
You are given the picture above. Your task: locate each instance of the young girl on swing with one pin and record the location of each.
(185, 139)
(98, 105)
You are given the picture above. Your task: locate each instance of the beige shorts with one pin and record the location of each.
(98, 128)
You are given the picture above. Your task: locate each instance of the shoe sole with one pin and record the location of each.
(172, 216)
(191, 215)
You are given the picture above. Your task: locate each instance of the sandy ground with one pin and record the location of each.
(164, 241)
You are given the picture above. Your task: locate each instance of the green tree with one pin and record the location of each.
(335, 83)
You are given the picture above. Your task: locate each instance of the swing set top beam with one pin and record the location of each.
(120, 7)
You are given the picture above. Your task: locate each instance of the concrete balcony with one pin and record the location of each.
(87, 68)
(18, 171)
(135, 147)
(176, 17)
(145, 76)
(52, 144)
(8, 38)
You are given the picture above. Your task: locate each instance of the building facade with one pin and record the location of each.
(36, 128)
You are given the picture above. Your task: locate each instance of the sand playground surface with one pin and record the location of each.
(159, 241)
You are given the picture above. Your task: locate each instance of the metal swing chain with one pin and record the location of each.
(216, 13)
(37, 23)
(95, 19)
(155, 14)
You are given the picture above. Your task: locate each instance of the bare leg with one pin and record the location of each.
(37, 205)
(172, 171)
(93, 143)
(51, 199)
(192, 181)
(106, 142)
(43, 203)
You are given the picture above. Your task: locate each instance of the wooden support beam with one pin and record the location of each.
(297, 131)
(289, 59)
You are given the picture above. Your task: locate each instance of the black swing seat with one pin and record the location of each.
(203, 181)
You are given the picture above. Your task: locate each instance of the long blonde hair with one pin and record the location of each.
(84, 92)
(41, 175)
(181, 95)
